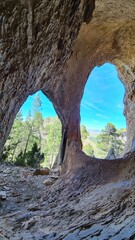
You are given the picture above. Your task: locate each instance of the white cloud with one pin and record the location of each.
(90, 106)
(83, 105)
(120, 106)
(101, 116)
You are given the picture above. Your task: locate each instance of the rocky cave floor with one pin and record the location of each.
(35, 208)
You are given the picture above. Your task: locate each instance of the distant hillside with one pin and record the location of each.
(94, 133)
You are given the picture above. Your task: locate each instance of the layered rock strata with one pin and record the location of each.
(77, 207)
(35, 40)
(39, 52)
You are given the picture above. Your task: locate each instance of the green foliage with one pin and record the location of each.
(110, 129)
(5, 153)
(104, 141)
(34, 140)
(109, 138)
(15, 139)
(52, 138)
(20, 160)
(84, 132)
(34, 157)
(88, 149)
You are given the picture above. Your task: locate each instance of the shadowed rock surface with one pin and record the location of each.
(53, 46)
(35, 42)
(85, 204)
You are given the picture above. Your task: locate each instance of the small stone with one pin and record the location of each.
(15, 194)
(49, 181)
(54, 177)
(26, 174)
(7, 171)
(6, 188)
(33, 207)
(55, 172)
(3, 195)
(2, 238)
(29, 224)
(18, 200)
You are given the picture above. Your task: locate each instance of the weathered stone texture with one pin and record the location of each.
(72, 208)
(39, 51)
(35, 41)
(109, 37)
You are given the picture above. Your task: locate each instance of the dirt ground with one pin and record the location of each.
(37, 207)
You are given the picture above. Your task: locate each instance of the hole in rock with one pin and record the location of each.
(35, 136)
(103, 125)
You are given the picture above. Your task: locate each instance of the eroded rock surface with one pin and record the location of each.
(73, 208)
(35, 42)
(109, 37)
(39, 51)
(53, 46)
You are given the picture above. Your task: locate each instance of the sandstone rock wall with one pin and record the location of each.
(35, 41)
(109, 37)
(39, 51)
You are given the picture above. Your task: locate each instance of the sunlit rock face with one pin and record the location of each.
(53, 46)
(109, 37)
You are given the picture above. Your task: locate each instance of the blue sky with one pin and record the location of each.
(102, 101)
(47, 108)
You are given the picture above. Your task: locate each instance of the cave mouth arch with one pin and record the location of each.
(35, 133)
(102, 104)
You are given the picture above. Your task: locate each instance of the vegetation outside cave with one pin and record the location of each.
(104, 127)
(35, 137)
(34, 140)
(108, 144)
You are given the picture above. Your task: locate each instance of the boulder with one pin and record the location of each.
(44, 171)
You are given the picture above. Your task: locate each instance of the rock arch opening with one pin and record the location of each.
(35, 136)
(103, 124)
